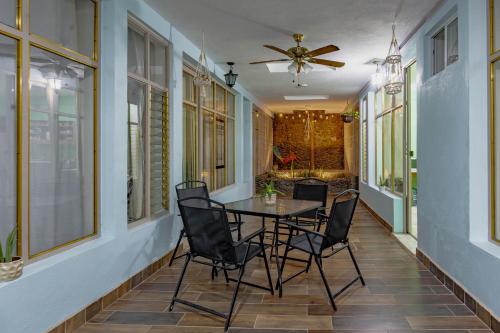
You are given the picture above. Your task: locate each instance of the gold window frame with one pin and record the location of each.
(25, 41)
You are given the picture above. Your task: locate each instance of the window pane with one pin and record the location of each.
(379, 162)
(208, 100)
(452, 42)
(135, 165)
(61, 151)
(378, 101)
(190, 135)
(189, 88)
(71, 23)
(386, 150)
(158, 152)
(8, 114)
(208, 149)
(496, 25)
(230, 105)
(8, 12)
(438, 52)
(220, 99)
(220, 152)
(398, 150)
(158, 62)
(230, 152)
(136, 53)
(496, 73)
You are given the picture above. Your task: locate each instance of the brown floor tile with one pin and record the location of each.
(202, 319)
(104, 328)
(273, 309)
(294, 322)
(372, 323)
(427, 322)
(144, 318)
(138, 306)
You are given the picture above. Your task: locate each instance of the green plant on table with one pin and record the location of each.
(9, 247)
(270, 189)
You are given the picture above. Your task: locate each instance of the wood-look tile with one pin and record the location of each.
(373, 323)
(75, 322)
(157, 286)
(202, 319)
(294, 322)
(105, 328)
(58, 329)
(495, 325)
(93, 309)
(460, 310)
(483, 314)
(399, 288)
(138, 306)
(427, 322)
(144, 318)
(273, 309)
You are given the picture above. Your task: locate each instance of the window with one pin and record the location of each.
(364, 135)
(445, 46)
(209, 133)
(8, 135)
(494, 58)
(389, 124)
(56, 162)
(147, 95)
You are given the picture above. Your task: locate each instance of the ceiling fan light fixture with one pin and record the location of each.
(307, 68)
(292, 68)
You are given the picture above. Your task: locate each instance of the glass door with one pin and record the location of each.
(411, 187)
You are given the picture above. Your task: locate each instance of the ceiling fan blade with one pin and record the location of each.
(277, 49)
(322, 50)
(267, 61)
(325, 62)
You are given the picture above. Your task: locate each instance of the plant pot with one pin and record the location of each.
(11, 270)
(347, 118)
(271, 200)
(380, 188)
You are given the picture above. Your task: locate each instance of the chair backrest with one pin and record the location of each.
(311, 189)
(340, 219)
(207, 229)
(192, 188)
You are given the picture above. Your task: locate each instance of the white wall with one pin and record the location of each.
(53, 289)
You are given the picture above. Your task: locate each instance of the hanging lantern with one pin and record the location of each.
(202, 78)
(230, 76)
(393, 67)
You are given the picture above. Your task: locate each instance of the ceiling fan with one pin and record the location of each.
(301, 56)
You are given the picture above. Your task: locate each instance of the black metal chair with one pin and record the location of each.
(210, 238)
(312, 189)
(197, 188)
(335, 238)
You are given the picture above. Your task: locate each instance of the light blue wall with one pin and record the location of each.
(453, 200)
(453, 160)
(53, 289)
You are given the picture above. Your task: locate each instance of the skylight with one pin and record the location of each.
(305, 97)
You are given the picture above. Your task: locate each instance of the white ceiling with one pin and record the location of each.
(235, 30)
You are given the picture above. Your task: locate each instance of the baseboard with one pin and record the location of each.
(377, 217)
(73, 323)
(470, 301)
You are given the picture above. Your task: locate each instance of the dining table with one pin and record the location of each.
(283, 209)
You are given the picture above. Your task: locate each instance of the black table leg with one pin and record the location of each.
(275, 245)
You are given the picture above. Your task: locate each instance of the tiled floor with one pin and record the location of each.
(401, 295)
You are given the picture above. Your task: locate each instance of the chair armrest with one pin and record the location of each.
(296, 227)
(249, 237)
(321, 215)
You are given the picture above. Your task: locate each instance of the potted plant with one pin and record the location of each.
(270, 193)
(349, 116)
(11, 267)
(381, 183)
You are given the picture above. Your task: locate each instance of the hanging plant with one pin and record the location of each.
(349, 116)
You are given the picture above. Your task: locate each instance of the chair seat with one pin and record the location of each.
(302, 243)
(240, 252)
